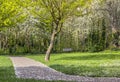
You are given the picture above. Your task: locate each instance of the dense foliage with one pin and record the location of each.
(27, 27)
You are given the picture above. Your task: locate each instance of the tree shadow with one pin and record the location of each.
(91, 57)
(6, 73)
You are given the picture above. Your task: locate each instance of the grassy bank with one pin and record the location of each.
(102, 64)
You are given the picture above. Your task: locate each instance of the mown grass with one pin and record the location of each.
(7, 72)
(102, 64)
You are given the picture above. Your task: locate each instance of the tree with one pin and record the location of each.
(113, 13)
(58, 11)
(10, 13)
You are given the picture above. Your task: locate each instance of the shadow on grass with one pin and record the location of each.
(91, 57)
(89, 70)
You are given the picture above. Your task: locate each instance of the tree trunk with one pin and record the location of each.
(47, 56)
(116, 34)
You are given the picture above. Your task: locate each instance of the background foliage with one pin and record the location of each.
(30, 32)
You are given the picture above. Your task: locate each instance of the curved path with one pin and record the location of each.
(28, 68)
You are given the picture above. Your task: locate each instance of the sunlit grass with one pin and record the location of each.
(102, 64)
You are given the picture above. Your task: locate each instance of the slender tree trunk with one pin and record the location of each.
(0, 43)
(116, 34)
(47, 56)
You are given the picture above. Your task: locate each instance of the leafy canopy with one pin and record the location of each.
(10, 13)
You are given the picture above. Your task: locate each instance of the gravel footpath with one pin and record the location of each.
(28, 68)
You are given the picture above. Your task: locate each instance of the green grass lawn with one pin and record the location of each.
(7, 72)
(102, 64)
(85, 64)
